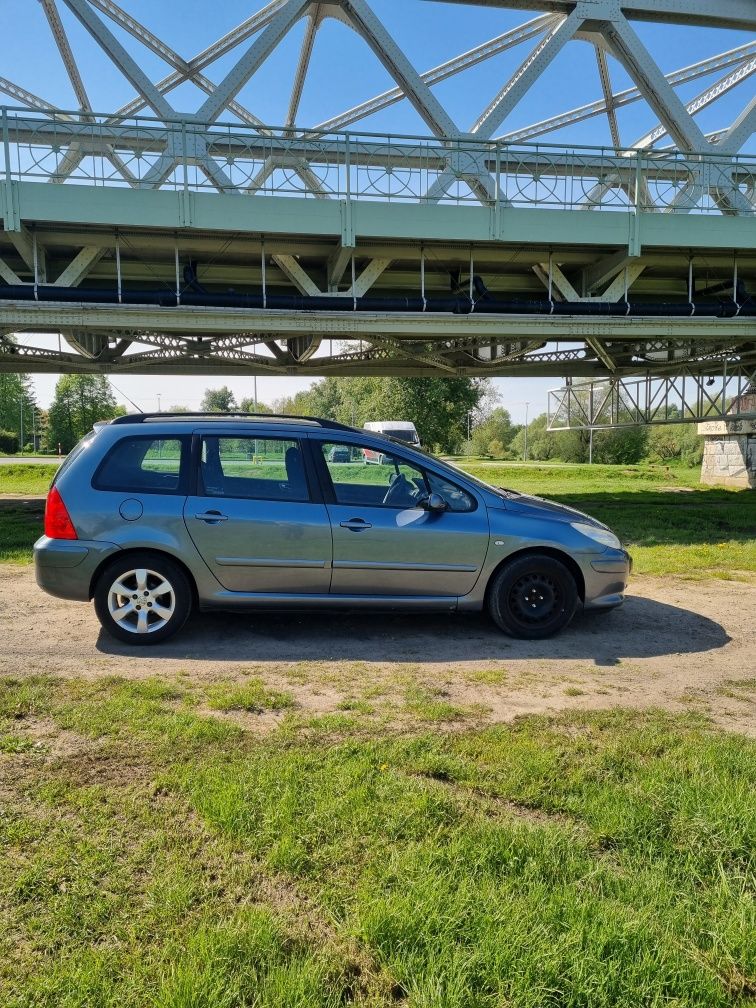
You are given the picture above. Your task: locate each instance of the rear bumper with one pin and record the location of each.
(606, 577)
(64, 568)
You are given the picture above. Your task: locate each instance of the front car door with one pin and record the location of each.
(384, 542)
(256, 518)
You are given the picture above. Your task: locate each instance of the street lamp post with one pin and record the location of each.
(525, 447)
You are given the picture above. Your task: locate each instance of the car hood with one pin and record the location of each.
(538, 507)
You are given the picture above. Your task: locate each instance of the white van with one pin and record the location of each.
(402, 430)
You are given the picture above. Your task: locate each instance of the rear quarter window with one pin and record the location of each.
(145, 465)
(75, 452)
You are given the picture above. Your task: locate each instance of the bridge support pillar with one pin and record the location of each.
(729, 452)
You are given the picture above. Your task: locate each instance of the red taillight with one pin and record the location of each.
(58, 524)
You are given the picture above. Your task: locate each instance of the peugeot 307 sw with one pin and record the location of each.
(154, 516)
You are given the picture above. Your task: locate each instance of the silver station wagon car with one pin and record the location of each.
(155, 515)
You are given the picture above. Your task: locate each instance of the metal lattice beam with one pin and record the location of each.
(686, 397)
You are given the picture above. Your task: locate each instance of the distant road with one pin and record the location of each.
(30, 460)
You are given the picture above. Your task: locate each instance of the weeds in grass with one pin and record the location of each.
(356, 705)
(491, 676)
(427, 704)
(251, 696)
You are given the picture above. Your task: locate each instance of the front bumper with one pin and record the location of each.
(65, 568)
(606, 575)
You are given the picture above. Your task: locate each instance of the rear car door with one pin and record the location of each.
(384, 543)
(255, 516)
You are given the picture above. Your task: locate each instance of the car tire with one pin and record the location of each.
(533, 597)
(142, 598)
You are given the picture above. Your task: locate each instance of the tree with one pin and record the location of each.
(493, 434)
(620, 446)
(542, 444)
(614, 446)
(675, 443)
(17, 407)
(248, 405)
(8, 442)
(80, 401)
(437, 406)
(220, 400)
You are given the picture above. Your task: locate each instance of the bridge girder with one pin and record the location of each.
(118, 203)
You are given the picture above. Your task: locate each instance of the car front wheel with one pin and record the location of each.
(142, 599)
(533, 597)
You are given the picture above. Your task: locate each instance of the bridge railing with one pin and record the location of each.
(141, 152)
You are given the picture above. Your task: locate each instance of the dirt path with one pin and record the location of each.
(676, 644)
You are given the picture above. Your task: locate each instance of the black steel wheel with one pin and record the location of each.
(533, 597)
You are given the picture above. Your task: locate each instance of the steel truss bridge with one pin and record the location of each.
(149, 239)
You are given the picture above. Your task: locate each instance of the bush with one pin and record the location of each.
(675, 443)
(8, 442)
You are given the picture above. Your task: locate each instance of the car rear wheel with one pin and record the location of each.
(142, 599)
(533, 597)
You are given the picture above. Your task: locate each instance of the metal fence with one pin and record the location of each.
(144, 153)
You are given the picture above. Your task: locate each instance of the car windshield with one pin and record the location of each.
(409, 436)
(501, 491)
(506, 492)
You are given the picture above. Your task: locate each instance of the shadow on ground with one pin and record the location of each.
(642, 628)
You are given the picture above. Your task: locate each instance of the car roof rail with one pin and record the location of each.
(139, 418)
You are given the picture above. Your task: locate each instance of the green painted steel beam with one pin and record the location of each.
(154, 210)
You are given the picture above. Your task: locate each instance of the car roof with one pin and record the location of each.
(282, 419)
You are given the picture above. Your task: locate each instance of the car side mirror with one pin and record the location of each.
(435, 502)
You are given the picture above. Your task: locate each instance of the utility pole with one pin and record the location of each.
(254, 391)
(158, 399)
(21, 435)
(525, 452)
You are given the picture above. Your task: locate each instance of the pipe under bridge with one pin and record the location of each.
(210, 242)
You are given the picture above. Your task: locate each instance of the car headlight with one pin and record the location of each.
(598, 534)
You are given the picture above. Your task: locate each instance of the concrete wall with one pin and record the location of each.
(729, 453)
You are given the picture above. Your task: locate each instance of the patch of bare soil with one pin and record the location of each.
(675, 644)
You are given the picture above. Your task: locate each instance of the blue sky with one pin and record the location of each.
(344, 72)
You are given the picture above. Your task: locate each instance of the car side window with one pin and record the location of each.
(253, 468)
(456, 498)
(144, 465)
(372, 478)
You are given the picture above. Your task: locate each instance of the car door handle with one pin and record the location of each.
(356, 525)
(211, 517)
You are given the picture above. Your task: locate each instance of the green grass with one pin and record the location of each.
(253, 696)
(26, 478)
(19, 527)
(427, 704)
(163, 858)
